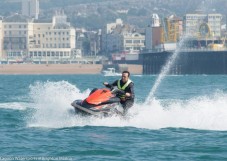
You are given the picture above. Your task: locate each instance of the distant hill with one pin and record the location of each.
(94, 14)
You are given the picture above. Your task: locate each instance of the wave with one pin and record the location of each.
(14, 105)
(52, 110)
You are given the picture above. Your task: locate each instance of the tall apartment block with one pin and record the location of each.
(30, 8)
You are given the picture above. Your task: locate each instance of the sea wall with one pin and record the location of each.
(50, 68)
(60, 68)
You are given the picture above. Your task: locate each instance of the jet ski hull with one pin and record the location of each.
(99, 111)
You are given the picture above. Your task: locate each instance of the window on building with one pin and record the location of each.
(128, 41)
(136, 41)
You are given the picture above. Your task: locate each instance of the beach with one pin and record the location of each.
(60, 68)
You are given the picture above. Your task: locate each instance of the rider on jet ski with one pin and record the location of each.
(126, 85)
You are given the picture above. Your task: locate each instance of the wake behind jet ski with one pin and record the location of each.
(101, 102)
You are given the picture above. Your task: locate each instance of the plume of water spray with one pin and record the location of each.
(165, 70)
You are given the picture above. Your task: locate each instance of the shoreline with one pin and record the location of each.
(26, 69)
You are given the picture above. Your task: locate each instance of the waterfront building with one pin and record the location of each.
(15, 36)
(88, 42)
(53, 41)
(173, 29)
(26, 40)
(203, 26)
(121, 38)
(150, 30)
(1, 40)
(165, 35)
(30, 8)
(111, 37)
(133, 42)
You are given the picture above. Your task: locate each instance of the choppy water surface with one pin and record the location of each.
(186, 120)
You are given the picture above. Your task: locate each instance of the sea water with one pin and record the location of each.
(187, 120)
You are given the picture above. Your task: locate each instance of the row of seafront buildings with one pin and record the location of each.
(203, 31)
(202, 48)
(23, 38)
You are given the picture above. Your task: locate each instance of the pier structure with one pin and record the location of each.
(187, 62)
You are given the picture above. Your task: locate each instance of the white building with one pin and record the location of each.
(25, 39)
(52, 41)
(118, 38)
(15, 36)
(133, 43)
(1, 40)
(203, 25)
(30, 8)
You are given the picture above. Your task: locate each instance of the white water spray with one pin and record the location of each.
(165, 71)
(52, 104)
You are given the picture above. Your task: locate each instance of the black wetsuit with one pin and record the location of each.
(129, 101)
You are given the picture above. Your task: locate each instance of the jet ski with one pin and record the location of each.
(100, 102)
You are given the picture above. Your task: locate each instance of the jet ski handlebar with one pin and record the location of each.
(115, 90)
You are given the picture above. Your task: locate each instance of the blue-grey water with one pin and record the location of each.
(187, 120)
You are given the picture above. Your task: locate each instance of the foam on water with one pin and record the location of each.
(52, 110)
(14, 105)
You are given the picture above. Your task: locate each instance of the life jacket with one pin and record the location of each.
(123, 87)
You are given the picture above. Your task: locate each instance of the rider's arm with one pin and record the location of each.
(130, 92)
(110, 85)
